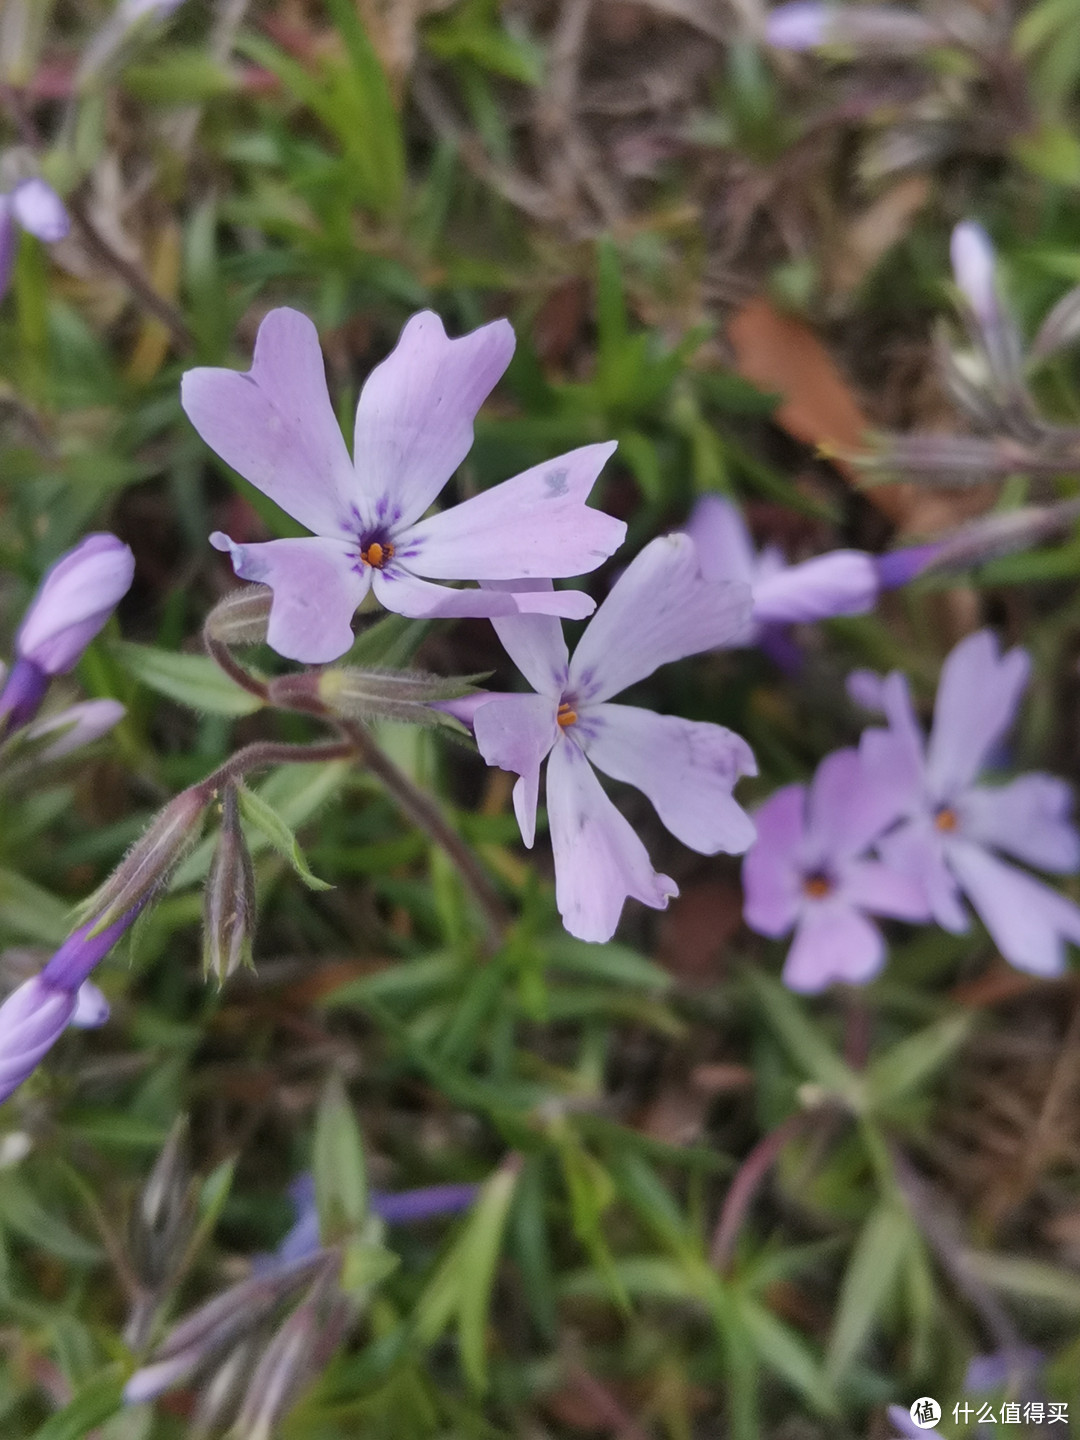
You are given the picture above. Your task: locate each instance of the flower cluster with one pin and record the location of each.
(901, 828)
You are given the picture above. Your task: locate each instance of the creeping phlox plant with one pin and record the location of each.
(897, 828)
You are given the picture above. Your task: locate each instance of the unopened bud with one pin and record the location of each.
(991, 326)
(229, 897)
(32, 1019)
(73, 602)
(285, 1366)
(164, 1215)
(242, 617)
(388, 694)
(162, 844)
(955, 461)
(1060, 328)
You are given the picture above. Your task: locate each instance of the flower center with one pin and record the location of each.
(566, 715)
(817, 885)
(377, 554)
(946, 820)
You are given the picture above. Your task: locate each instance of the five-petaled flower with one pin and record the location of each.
(414, 427)
(660, 609)
(951, 827)
(809, 869)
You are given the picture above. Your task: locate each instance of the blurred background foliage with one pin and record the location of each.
(727, 1211)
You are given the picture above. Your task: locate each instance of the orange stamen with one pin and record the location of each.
(945, 819)
(817, 886)
(566, 715)
(376, 555)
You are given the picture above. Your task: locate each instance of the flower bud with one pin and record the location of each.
(32, 1019)
(73, 602)
(242, 617)
(75, 727)
(86, 947)
(387, 694)
(162, 844)
(285, 1366)
(91, 1008)
(164, 1215)
(1060, 328)
(993, 329)
(24, 689)
(229, 897)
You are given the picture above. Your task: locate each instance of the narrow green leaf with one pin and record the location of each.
(30, 912)
(907, 1064)
(869, 1282)
(266, 819)
(93, 1405)
(802, 1038)
(192, 680)
(788, 1355)
(338, 1165)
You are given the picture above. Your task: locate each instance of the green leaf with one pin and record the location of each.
(22, 1212)
(802, 1038)
(266, 819)
(786, 1354)
(192, 680)
(869, 1282)
(614, 962)
(338, 1165)
(906, 1065)
(31, 912)
(1043, 1286)
(93, 1405)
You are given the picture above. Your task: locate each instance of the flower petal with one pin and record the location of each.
(74, 601)
(659, 609)
(723, 542)
(976, 702)
(833, 943)
(275, 426)
(515, 732)
(771, 873)
(850, 804)
(599, 860)
(414, 422)
(687, 768)
(916, 849)
(317, 586)
(407, 594)
(39, 210)
(91, 1008)
(536, 525)
(870, 885)
(535, 643)
(1026, 919)
(842, 583)
(78, 725)
(1028, 819)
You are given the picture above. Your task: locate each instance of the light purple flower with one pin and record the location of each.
(34, 1016)
(32, 205)
(1003, 1368)
(844, 582)
(73, 602)
(862, 29)
(808, 869)
(414, 427)
(75, 727)
(660, 609)
(952, 828)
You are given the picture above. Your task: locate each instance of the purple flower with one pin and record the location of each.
(1003, 1368)
(808, 870)
(73, 602)
(34, 1016)
(75, 727)
(414, 427)
(660, 609)
(844, 582)
(863, 29)
(952, 828)
(32, 205)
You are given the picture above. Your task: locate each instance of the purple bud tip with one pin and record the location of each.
(21, 696)
(424, 1203)
(902, 566)
(973, 265)
(73, 602)
(91, 1008)
(39, 210)
(464, 708)
(82, 950)
(801, 25)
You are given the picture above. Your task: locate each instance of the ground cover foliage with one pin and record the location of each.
(706, 1206)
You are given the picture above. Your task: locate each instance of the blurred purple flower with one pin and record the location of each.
(32, 205)
(404, 1208)
(862, 29)
(660, 609)
(73, 602)
(844, 582)
(951, 827)
(808, 869)
(414, 427)
(34, 1016)
(1002, 1368)
(75, 727)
